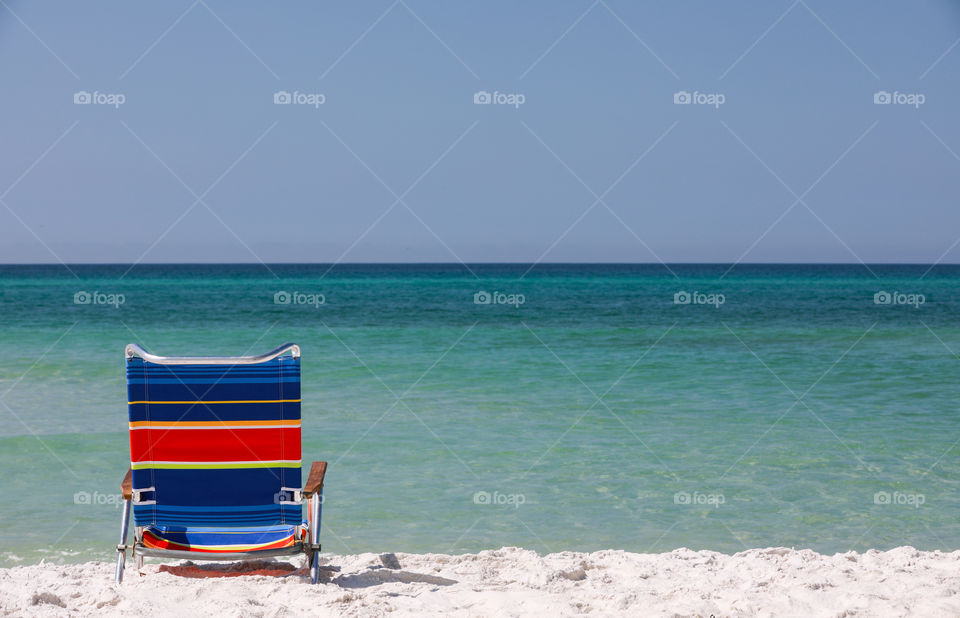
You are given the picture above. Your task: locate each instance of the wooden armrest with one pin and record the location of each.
(127, 485)
(315, 481)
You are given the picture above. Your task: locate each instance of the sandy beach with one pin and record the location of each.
(515, 582)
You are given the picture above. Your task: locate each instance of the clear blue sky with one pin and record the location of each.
(496, 183)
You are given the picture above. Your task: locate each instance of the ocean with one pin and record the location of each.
(556, 407)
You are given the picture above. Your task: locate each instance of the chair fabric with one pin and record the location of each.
(215, 453)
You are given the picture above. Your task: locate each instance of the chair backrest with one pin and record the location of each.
(215, 441)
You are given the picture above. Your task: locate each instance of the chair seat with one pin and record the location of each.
(220, 540)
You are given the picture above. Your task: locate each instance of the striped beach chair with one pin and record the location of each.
(215, 460)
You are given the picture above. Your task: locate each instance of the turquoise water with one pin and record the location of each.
(598, 413)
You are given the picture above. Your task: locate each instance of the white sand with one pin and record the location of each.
(516, 582)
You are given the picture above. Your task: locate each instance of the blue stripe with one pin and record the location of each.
(277, 379)
(218, 519)
(223, 509)
(229, 498)
(209, 530)
(214, 530)
(249, 536)
(277, 362)
(143, 516)
(211, 380)
(274, 365)
(218, 412)
(217, 497)
(210, 487)
(187, 368)
(161, 374)
(149, 514)
(222, 391)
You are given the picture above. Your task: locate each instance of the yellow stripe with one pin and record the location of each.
(214, 424)
(209, 402)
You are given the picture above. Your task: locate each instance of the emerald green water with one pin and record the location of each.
(799, 412)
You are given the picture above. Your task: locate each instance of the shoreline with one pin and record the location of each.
(512, 581)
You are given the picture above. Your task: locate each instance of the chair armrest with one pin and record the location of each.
(315, 481)
(127, 485)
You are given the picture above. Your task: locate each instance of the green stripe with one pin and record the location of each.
(214, 465)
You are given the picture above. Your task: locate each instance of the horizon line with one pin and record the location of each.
(490, 263)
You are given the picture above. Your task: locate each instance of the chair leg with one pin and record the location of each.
(314, 538)
(122, 547)
(315, 568)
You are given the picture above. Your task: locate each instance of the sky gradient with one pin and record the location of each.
(399, 164)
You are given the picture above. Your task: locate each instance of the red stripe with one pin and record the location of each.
(212, 445)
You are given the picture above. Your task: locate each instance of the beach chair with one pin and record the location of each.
(215, 460)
